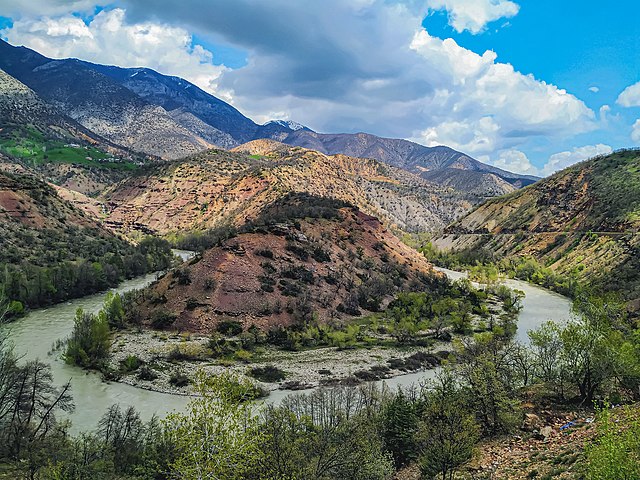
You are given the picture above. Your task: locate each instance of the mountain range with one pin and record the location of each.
(169, 117)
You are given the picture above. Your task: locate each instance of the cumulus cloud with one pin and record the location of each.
(474, 15)
(482, 92)
(336, 66)
(630, 96)
(635, 131)
(565, 159)
(109, 39)
(594, 89)
(513, 161)
(468, 136)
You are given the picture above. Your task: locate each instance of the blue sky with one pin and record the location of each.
(529, 85)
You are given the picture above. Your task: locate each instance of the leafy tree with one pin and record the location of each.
(615, 454)
(448, 431)
(399, 424)
(216, 437)
(89, 343)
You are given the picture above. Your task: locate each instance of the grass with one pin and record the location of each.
(30, 145)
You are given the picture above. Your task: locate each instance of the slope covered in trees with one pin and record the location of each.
(50, 251)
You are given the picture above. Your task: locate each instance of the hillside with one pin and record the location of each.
(410, 156)
(216, 188)
(101, 104)
(171, 118)
(51, 251)
(36, 137)
(583, 221)
(302, 257)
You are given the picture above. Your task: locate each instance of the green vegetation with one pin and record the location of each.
(484, 267)
(362, 433)
(90, 341)
(615, 454)
(55, 266)
(32, 147)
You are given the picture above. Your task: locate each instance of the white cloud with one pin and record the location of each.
(467, 136)
(630, 96)
(604, 113)
(474, 15)
(486, 105)
(635, 131)
(513, 161)
(565, 159)
(594, 89)
(109, 39)
(365, 66)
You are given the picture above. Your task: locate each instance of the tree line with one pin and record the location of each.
(29, 285)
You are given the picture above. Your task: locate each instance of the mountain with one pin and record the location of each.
(408, 155)
(303, 258)
(582, 221)
(37, 137)
(290, 124)
(219, 187)
(170, 117)
(101, 104)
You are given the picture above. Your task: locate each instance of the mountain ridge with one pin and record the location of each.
(170, 117)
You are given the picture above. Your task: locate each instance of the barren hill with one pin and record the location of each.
(304, 258)
(217, 187)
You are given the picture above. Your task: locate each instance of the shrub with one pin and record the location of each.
(179, 379)
(130, 364)
(267, 374)
(146, 373)
(183, 276)
(266, 253)
(192, 303)
(162, 319)
(230, 328)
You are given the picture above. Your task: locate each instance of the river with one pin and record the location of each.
(34, 334)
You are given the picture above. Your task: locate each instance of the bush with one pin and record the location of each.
(130, 364)
(179, 379)
(266, 253)
(267, 374)
(230, 328)
(162, 319)
(146, 373)
(192, 303)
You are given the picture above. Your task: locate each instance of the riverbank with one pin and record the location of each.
(166, 356)
(33, 335)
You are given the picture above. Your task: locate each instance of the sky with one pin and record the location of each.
(531, 86)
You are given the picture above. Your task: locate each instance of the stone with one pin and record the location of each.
(531, 422)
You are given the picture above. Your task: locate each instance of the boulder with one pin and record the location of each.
(531, 422)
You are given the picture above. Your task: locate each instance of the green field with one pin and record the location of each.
(32, 146)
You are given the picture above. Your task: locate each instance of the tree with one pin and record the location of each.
(489, 380)
(448, 431)
(615, 454)
(588, 352)
(89, 343)
(399, 424)
(218, 435)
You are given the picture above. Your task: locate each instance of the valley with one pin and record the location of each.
(188, 293)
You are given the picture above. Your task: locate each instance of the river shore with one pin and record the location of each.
(303, 369)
